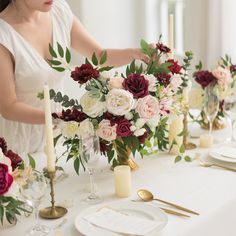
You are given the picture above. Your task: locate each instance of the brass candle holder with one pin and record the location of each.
(52, 212)
(187, 145)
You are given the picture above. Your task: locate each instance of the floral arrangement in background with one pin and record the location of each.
(129, 112)
(11, 171)
(223, 77)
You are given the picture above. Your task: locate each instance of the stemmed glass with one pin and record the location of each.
(33, 190)
(211, 104)
(90, 155)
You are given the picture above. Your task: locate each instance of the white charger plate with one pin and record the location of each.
(138, 209)
(218, 154)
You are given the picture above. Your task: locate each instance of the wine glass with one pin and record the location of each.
(89, 156)
(33, 191)
(211, 104)
(230, 109)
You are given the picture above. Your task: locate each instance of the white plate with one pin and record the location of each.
(219, 154)
(139, 209)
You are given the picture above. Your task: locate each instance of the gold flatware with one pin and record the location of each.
(168, 211)
(207, 164)
(147, 196)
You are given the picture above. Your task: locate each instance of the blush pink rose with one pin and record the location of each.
(147, 107)
(115, 82)
(106, 131)
(222, 75)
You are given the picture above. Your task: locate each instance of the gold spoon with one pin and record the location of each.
(147, 196)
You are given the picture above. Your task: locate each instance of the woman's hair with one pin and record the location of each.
(4, 4)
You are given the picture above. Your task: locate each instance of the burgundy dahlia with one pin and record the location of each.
(5, 179)
(3, 145)
(15, 159)
(163, 79)
(175, 68)
(71, 115)
(84, 73)
(162, 48)
(123, 128)
(137, 85)
(112, 118)
(204, 78)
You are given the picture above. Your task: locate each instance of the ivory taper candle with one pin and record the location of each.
(206, 141)
(122, 175)
(50, 152)
(175, 129)
(171, 35)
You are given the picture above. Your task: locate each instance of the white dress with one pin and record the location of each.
(31, 73)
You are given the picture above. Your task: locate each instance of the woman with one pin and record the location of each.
(26, 29)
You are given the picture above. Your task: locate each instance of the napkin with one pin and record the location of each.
(119, 222)
(226, 152)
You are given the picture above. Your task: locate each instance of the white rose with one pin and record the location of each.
(86, 128)
(140, 123)
(106, 131)
(152, 82)
(70, 129)
(139, 132)
(119, 102)
(92, 106)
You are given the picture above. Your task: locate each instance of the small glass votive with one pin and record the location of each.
(122, 176)
(206, 141)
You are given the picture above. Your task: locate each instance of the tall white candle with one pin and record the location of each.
(171, 35)
(176, 127)
(122, 175)
(49, 131)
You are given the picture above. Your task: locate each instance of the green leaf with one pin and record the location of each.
(40, 95)
(55, 140)
(68, 55)
(60, 50)
(94, 59)
(55, 62)
(177, 159)
(59, 69)
(32, 162)
(77, 165)
(182, 149)
(103, 58)
(52, 52)
(188, 158)
(107, 68)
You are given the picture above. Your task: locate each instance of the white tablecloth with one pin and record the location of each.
(209, 191)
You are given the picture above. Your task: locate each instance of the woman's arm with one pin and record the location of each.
(10, 107)
(82, 42)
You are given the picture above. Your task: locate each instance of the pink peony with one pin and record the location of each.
(147, 107)
(115, 82)
(106, 131)
(6, 179)
(222, 75)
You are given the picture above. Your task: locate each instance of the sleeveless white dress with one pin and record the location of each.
(31, 73)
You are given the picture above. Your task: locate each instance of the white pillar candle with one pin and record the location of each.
(176, 128)
(49, 131)
(122, 175)
(171, 35)
(206, 141)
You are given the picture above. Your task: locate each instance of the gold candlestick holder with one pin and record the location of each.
(52, 212)
(187, 145)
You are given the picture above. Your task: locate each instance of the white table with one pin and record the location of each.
(209, 191)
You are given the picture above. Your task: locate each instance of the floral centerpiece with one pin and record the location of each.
(223, 77)
(129, 112)
(11, 168)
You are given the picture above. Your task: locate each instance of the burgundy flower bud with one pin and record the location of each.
(5, 179)
(112, 118)
(143, 137)
(84, 73)
(15, 159)
(233, 68)
(3, 145)
(175, 68)
(163, 79)
(137, 85)
(204, 78)
(123, 128)
(162, 48)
